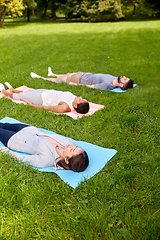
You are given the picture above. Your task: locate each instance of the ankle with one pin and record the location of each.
(4, 91)
(11, 89)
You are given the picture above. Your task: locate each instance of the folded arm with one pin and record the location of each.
(37, 160)
(89, 86)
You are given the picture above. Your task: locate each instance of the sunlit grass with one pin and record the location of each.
(122, 200)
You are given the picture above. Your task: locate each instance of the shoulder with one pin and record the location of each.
(64, 106)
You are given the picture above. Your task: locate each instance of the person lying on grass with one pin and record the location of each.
(45, 150)
(52, 100)
(99, 81)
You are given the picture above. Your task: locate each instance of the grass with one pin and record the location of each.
(122, 200)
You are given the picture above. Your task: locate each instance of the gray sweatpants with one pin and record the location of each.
(32, 96)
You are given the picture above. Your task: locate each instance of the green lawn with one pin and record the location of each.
(122, 201)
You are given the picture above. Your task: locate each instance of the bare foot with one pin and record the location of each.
(11, 89)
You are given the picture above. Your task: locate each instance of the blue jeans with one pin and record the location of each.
(7, 130)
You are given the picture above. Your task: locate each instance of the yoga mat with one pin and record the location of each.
(98, 157)
(73, 114)
(119, 90)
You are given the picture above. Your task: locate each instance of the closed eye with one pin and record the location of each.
(73, 149)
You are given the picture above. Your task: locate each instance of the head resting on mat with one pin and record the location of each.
(73, 158)
(81, 105)
(125, 83)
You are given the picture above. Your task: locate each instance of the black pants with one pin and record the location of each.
(7, 130)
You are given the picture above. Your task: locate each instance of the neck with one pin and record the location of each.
(59, 151)
(73, 103)
(115, 82)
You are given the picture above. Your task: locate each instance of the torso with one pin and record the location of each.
(53, 98)
(89, 78)
(52, 141)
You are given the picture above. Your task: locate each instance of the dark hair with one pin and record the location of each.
(77, 163)
(82, 107)
(118, 78)
(126, 85)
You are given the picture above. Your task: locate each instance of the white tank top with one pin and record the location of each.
(53, 98)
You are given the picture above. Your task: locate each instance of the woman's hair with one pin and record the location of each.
(82, 107)
(77, 163)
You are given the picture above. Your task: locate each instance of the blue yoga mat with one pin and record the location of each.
(119, 90)
(98, 157)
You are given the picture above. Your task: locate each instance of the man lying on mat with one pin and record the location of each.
(100, 81)
(45, 150)
(52, 100)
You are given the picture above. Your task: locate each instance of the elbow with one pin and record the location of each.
(64, 109)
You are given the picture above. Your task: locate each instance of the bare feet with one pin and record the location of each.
(1, 87)
(12, 89)
(6, 93)
(8, 85)
(50, 73)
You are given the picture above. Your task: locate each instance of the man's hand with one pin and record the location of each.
(72, 83)
(62, 107)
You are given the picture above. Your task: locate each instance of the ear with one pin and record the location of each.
(66, 160)
(74, 105)
(120, 85)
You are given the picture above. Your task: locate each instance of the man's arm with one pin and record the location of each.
(89, 86)
(72, 83)
(62, 107)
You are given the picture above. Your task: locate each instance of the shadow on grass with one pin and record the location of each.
(13, 23)
(140, 18)
(16, 22)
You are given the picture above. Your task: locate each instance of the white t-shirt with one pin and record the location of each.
(53, 98)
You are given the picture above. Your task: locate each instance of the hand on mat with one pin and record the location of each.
(39, 106)
(32, 105)
(72, 83)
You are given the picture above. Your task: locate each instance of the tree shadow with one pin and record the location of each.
(16, 22)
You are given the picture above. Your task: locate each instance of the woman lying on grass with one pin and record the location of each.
(51, 100)
(44, 150)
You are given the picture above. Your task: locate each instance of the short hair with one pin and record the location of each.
(130, 83)
(82, 107)
(77, 163)
(126, 85)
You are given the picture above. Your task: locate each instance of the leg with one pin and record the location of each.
(10, 94)
(7, 94)
(1, 87)
(34, 75)
(50, 73)
(59, 77)
(74, 77)
(5, 135)
(52, 79)
(7, 130)
(14, 90)
(15, 127)
(69, 77)
(32, 96)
